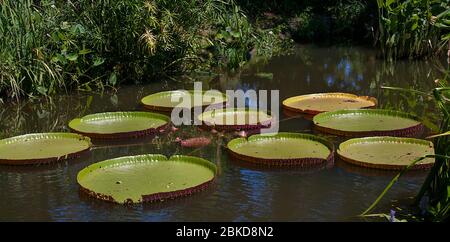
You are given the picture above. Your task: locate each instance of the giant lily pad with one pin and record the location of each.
(368, 122)
(119, 124)
(282, 149)
(146, 178)
(162, 101)
(324, 102)
(235, 119)
(42, 148)
(385, 152)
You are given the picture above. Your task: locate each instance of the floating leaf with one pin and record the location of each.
(162, 101)
(282, 149)
(146, 178)
(119, 124)
(236, 118)
(368, 122)
(42, 148)
(323, 102)
(390, 153)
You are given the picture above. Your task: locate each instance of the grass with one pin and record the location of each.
(51, 46)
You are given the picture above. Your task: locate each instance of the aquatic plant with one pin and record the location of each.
(42, 148)
(282, 149)
(368, 122)
(387, 153)
(116, 125)
(322, 102)
(434, 196)
(236, 119)
(435, 187)
(132, 179)
(162, 101)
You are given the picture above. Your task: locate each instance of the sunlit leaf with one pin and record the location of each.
(72, 56)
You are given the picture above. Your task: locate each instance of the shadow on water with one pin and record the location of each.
(57, 165)
(274, 168)
(363, 171)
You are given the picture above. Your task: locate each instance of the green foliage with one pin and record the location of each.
(307, 26)
(436, 187)
(434, 195)
(322, 21)
(410, 28)
(437, 184)
(53, 45)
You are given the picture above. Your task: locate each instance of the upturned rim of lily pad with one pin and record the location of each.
(138, 159)
(235, 127)
(281, 162)
(287, 102)
(120, 135)
(162, 108)
(387, 139)
(45, 160)
(409, 131)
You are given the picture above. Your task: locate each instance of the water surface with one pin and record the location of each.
(242, 193)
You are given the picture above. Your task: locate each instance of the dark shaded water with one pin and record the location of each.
(242, 193)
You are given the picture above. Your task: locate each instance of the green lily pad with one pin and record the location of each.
(325, 102)
(235, 118)
(162, 101)
(42, 148)
(387, 152)
(119, 124)
(368, 122)
(282, 149)
(146, 178)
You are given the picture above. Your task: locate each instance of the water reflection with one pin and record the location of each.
(241, 193)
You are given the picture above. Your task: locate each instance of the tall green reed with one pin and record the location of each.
(434, 195)
(408, 28)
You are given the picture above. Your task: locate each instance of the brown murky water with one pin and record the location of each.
(242, 193)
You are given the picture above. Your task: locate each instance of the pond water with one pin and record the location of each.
(242, 193)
